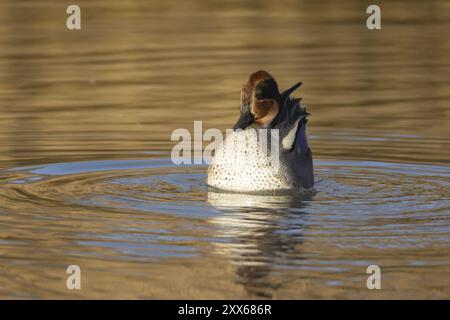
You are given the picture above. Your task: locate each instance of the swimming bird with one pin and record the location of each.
(243, 162)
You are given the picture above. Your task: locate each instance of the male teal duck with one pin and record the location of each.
(243, 163)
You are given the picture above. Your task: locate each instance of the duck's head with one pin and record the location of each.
(259, 101)
(262, 104)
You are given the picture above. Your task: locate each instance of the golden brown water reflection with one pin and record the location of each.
(85, 124)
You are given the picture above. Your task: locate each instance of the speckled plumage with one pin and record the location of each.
(242, 164)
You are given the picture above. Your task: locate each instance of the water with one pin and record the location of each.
(85, 171)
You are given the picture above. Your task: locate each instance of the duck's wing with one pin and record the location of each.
(295, 116)
(286, 93)
(291, 114)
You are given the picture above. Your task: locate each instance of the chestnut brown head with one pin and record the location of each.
(261, 100)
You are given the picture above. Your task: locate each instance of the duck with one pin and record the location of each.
(242, 163)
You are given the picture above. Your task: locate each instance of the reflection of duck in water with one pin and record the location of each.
(261, 233)
(242, 164)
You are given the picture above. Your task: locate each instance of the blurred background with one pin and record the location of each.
(138, 69)
(85, 123)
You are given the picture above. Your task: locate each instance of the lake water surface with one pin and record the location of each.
(86, 177)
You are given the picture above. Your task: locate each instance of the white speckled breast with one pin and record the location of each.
(241, 164)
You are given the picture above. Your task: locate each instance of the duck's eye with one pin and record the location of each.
(267, 89)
